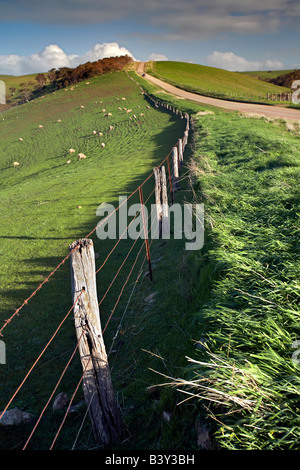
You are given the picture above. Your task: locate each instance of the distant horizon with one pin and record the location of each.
(194, 63)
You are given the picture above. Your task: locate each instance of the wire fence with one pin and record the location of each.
(171, 164)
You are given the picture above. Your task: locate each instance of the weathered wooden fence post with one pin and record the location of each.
(157, 177)
(175, 169)
(164, 200)
(97, 385)
(180, 151)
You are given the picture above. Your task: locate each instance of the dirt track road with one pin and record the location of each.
(264, 110)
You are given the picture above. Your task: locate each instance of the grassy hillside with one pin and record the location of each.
(247, 174)
(242, 290)
(265, 74)
(12, 81)
(236, 298)
(48, 203)
(212, 81)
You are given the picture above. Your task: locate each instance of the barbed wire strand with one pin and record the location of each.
(17, 311)
(70, 403)
(83, 420)
(120, 238)
(54, 390)
(39, 357)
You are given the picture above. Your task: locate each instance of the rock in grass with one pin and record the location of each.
(60, 402)
(167, 416)
(203, 439)
(16, 417)
(150, 298)
(152, 392)
(77, 407)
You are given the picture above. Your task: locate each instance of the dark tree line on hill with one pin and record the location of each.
(64, 76)
(285, 80)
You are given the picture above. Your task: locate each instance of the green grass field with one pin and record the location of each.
(238, 295)
(212, 81)
(263, 74)
(48, 203)
(15, 81)
(242, 290)
(247, 174)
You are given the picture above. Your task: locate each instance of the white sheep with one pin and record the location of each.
(69, 161)
(109, 114)
(104, 110)
(81, 156)
(120, 109)
(82, 106)
(40, 126)
(134, 116)
(100, 133)
(124, 99)
(20, 139)
(103, 145)
(111, 128)
(71, 151)
(16, 163)
(94, 132)
(58, 120)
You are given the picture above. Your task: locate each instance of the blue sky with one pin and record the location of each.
(36, 35)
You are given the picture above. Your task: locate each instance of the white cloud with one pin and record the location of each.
(53, 56)
(230, 61)
(156, 56)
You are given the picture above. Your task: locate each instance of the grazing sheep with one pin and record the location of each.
(109, 114)
(128, 110)
(58, 120)
(124, 99)
(134, 116)
(94, 132)
(148, 107)
(16, 163)
(120, 109)
(82, 106)
(142, 114)
(125, 109)
(71, 151)
(20, 139)
(100, 133)
(40, 126)
(81, 156)
(69, 161)
(104, 110)
(111, 128)
(103, 145)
